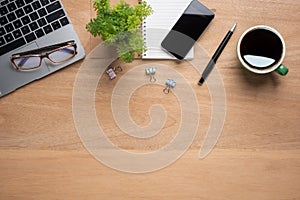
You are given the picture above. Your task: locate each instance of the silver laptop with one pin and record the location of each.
(30, 24)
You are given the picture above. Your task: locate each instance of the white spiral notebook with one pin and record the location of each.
(156, 26)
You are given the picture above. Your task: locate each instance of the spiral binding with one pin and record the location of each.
(143, 32)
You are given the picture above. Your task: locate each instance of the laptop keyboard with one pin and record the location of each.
(23, 21)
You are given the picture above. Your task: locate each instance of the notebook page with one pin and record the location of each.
(159, 23)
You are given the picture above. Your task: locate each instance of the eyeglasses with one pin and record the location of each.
(57, 53)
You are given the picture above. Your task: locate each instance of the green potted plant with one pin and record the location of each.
(119, 25)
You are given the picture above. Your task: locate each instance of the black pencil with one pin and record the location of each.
(216, 55)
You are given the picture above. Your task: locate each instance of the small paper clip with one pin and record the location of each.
(169, 85)
(150, 71)
(112, 72)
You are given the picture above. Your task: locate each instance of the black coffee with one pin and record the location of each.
(261, 48)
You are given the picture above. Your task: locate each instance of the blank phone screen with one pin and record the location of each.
(186, 31)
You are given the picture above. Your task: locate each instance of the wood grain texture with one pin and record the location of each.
(256, 157)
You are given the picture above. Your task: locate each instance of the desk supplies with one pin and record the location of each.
(170, 83)
(28, 25)
(112, 72)
(216, 55)
(56, 54)
(150, 71)
(156, 26)
(188, 29)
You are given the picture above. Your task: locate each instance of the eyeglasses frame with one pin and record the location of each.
(42, 53)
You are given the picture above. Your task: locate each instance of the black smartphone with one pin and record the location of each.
(187, 30)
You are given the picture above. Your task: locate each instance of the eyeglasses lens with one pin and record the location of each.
(27, 63)
(62, 54)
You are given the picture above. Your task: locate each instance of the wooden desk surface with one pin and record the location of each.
(256, 157)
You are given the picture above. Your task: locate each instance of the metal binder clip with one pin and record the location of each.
(112, 72)
(150, 71)
(169, 85)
